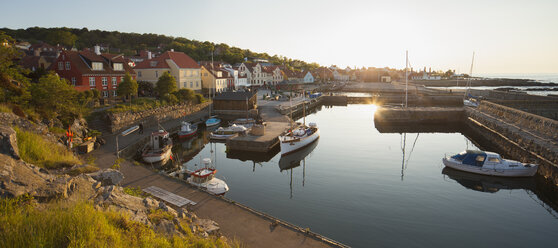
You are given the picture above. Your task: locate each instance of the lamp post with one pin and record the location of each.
(124, 133)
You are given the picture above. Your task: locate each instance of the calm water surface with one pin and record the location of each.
(355, 185)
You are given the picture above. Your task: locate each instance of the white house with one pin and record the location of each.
(308, 78)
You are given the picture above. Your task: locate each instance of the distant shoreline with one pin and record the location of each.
(479, 82)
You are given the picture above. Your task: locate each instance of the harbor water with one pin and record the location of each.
(370, 189)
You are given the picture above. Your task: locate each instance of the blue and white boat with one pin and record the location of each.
(212, 122)
(489, 163)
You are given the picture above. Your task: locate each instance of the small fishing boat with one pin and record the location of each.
(293, 159)
(205, 178)
(489, 163)
(228, 132)
(213, 121)
(294, 140)
(158, 150)
(187, 130)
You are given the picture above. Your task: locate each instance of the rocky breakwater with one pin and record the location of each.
(19, 178)
(122, 120)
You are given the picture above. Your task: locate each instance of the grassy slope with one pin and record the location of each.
(81, 225)
(34, 149)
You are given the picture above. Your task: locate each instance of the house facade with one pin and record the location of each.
(214, 80)
(340, 75)
(87, 70)
(184, 69)
(307, 77)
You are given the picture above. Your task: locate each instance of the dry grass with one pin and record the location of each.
(34, 149)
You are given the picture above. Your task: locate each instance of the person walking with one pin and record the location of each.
(140, 128)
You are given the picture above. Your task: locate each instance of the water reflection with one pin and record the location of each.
(489, 184)
(291, 161)
(404, 162)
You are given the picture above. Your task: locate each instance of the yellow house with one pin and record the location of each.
(215, 80)
(185, 70)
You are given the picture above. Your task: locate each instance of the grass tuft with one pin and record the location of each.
(5, 108)
(135, 191)
(34, 149)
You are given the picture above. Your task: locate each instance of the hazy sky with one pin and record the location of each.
(507, 36)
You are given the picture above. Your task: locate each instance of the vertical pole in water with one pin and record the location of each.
(406, 74)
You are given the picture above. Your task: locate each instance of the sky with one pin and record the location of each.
(507, 36)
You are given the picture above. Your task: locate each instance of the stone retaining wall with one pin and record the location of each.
(120, 121)
(541, 126)
(546, 108)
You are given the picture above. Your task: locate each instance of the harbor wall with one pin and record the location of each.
(518, 135)
(120, 121)
(504, 95)
(545, 108)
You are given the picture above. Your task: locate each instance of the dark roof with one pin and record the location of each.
(235, 96)
(82, 62)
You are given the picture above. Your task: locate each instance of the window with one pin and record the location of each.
(105, 94)
(92, 81)
(156, 74)
(139, 73)
(153, 63)
(73, 81)
(97, 66)
(114, 93)
(104, 81)
(114, 81)
(184, 84)
(68, 66)
(197, 84)
(494, 160)
(122, 79)
(118, 67)
(191, 84)
(60, 65)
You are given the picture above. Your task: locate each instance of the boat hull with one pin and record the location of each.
(183, 135)
(516, 172)
(162, 157)
(212, 122)
(293, 146)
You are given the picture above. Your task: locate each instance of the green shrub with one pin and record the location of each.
(34, 149)
(135, 191)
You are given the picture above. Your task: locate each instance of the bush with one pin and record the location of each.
(200, 98)
(170, 99)
(40, 152)
(135, 191)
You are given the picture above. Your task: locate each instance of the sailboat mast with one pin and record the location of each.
(470, 76)
(406, 74)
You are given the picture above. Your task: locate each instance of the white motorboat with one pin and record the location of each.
(246, 122)
(213, 121)
(293, 159)
(228, 132)
(205, 178)
(158, 150)
(300, 137)
(470, 103)
(489, 163)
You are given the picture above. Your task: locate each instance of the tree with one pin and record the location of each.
(145, 88)
(13, 82)
(185, 95)
(62, 37)
(127, 87)
(166, 84)
(63, 105)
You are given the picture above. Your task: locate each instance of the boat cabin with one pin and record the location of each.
(159, 139)
(477, 158)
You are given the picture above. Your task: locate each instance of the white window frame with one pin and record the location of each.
(68, 66)
(92, 81)
(104, 81)
(97, 66)
(114, 81)
(105, 94)
(60, 65)
(119, 68)
(73, 81)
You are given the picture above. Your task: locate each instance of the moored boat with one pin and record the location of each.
(300, 137)
(228, 132)
(187, 130)
(246, 122)
(158, 150)
(213, 121)
(205, 178)
(489, 163)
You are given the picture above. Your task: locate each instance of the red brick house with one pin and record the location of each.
(87, 70)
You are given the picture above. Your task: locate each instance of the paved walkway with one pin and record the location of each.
(236, 221)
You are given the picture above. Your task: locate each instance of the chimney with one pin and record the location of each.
(97, 50)
(37, 52)
(172, 49)
(148, 54)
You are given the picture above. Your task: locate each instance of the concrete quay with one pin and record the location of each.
(416, 115)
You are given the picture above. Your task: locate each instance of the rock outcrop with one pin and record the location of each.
(108, 177)
(8, 142)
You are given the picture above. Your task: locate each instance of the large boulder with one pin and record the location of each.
(208, 226)
(8, 142)
(19, 178)
(108, 176)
